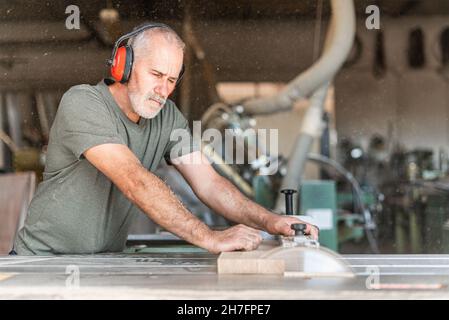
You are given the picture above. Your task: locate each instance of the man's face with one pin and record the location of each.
(153, 77)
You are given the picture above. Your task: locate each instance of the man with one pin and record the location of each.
(104, 144)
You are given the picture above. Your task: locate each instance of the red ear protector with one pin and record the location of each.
(122, 58)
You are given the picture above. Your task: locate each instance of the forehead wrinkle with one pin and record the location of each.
(162, 61)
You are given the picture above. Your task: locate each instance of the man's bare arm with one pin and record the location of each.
(223, 197)
(153, 197)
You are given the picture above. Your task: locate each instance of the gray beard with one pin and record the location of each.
(143, 111)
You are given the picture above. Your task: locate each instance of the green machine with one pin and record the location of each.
(263, 191)
(318, 199)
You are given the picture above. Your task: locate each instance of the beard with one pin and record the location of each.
(147, 106)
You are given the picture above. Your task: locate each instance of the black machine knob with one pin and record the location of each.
(288, 200)
(300, 228)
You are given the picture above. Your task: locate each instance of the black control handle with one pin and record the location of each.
(300, 228)
(289, 200)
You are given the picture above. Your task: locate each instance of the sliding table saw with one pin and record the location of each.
(173, 270)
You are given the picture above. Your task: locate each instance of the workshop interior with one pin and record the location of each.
(354, 97)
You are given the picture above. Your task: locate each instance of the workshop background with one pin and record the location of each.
(384, 186)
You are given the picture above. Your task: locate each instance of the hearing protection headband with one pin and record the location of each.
(122, 57)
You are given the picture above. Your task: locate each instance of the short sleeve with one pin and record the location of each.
(181, 141)
(83, 121)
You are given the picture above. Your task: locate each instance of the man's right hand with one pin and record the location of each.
(239, 237)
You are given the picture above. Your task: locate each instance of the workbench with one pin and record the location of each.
(186, 272)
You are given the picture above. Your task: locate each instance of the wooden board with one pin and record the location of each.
(16, 191)
(4, 276)
(249, 262)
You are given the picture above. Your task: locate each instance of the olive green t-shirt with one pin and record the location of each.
(77, 209)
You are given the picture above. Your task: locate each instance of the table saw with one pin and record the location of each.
(180, 271)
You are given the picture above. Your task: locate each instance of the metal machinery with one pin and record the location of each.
(304, 256)
(170, 272)
(413, 195)
(417, 210)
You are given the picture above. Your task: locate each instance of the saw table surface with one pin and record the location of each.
(193, 275)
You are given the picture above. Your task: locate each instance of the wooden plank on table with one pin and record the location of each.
(249, 262)
(4, 276)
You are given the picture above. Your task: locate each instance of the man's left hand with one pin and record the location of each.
(279, 224)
